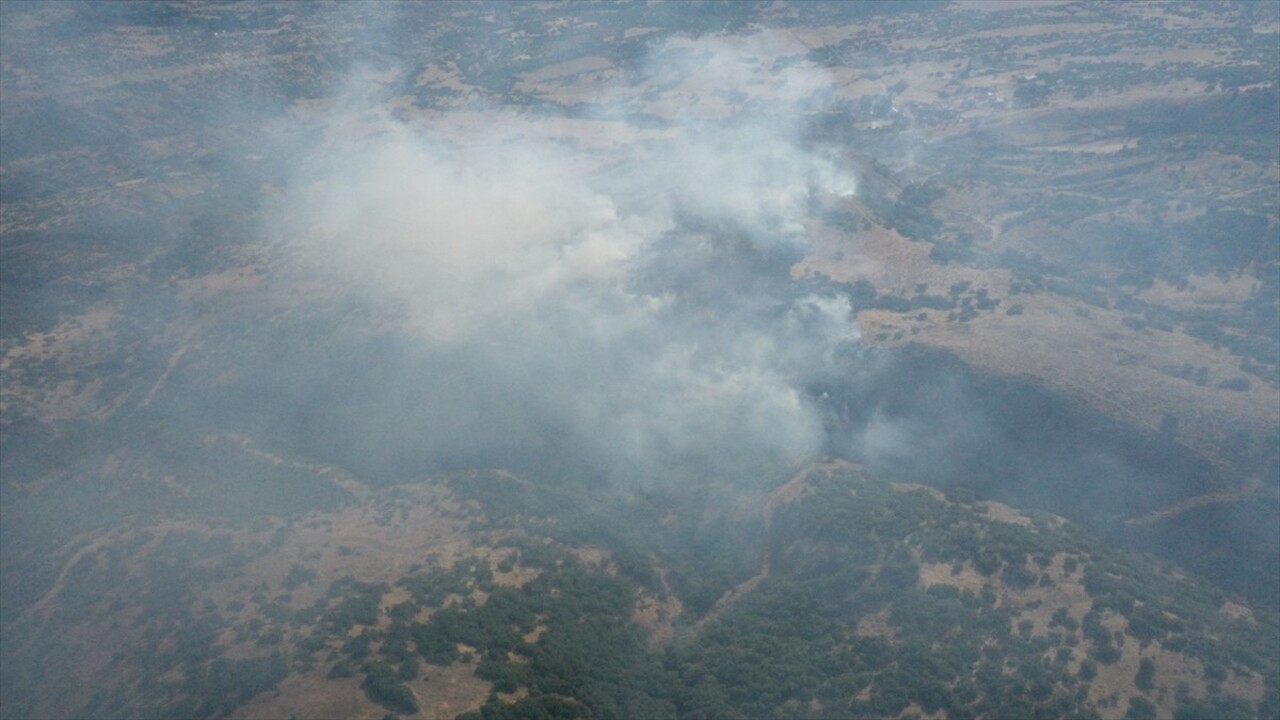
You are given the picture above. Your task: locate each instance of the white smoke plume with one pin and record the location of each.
(633, 304)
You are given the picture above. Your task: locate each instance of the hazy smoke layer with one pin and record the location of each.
(630, 305)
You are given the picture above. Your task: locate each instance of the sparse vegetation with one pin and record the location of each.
(232, 486)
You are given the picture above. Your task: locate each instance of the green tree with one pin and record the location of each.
(1140, 708)
(1146, 677)
(381, 686)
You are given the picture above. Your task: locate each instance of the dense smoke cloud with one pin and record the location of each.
(635, 310)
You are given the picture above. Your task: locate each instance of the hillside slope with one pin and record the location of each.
(834, 595)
